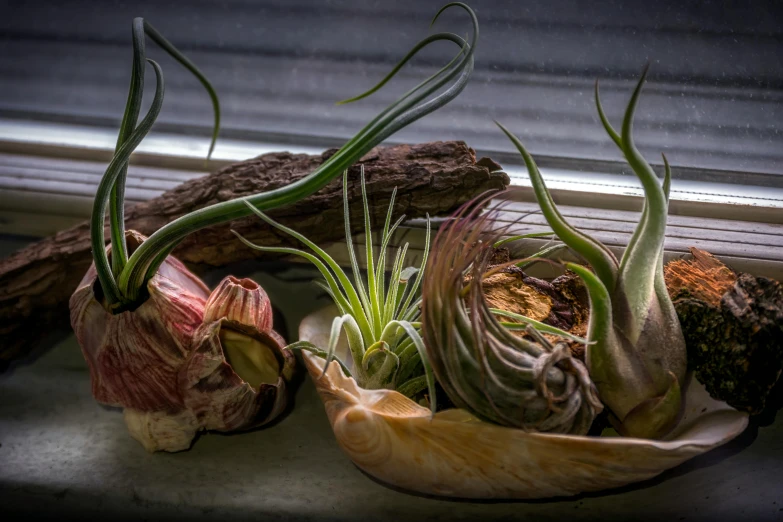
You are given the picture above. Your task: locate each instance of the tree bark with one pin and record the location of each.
(733, 328)
(562, 302)
(431, 178)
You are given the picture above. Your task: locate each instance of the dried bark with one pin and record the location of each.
(433, 178)
(733, 328)
(562, 303)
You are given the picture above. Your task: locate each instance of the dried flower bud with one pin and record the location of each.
(236, 375)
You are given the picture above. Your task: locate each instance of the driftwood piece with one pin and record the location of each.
(434, 178)
(733, 328)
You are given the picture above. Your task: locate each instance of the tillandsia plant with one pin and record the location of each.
(524, 382)
(380, 322)
(157, 343)
(638, 358)
(123, 287)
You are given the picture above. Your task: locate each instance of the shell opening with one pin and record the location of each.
(133, 239)
(252, 360)
(247, 284)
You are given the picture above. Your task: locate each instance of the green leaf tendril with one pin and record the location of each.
(126, 281)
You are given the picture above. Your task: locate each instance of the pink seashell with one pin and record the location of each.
(178, 363)
(215, 392)
(236, 376)
(134, 357)
(242, 301)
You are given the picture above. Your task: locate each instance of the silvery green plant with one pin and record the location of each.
(525, 382)
(637, 358)
(381, 324)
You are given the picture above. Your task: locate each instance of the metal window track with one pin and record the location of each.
(49, 174)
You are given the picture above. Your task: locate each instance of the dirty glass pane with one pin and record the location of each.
(714, 101)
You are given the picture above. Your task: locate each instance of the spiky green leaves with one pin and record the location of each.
(379, 321)
(635, 276)
(638, 357)
(599, 257)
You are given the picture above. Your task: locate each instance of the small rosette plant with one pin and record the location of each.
(380, 321)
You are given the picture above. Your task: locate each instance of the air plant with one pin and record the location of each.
(154, 344)
(524, 382)
(380, 323)
(123, 282)
(186, 360)
(637, 359)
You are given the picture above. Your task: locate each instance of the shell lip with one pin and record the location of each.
(315, 366)
(245, 282)
(98, 295)
(133, 239)
(273, 343)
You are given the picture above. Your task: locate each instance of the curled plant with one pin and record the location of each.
(124, 278)
(380, 323)
(637, 359)
(523, 382)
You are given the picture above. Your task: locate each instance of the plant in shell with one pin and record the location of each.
(186, 359)
(380, 323)
(525, 381)
(637, 358)
(157, 343)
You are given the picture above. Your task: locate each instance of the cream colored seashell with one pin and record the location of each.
(456, 455)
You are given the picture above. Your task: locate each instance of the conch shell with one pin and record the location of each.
(185, 360)
(454, 454)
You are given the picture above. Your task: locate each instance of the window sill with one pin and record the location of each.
(49, 174)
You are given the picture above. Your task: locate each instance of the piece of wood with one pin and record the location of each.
(562, 303)
(431, 178)
(733, 328)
